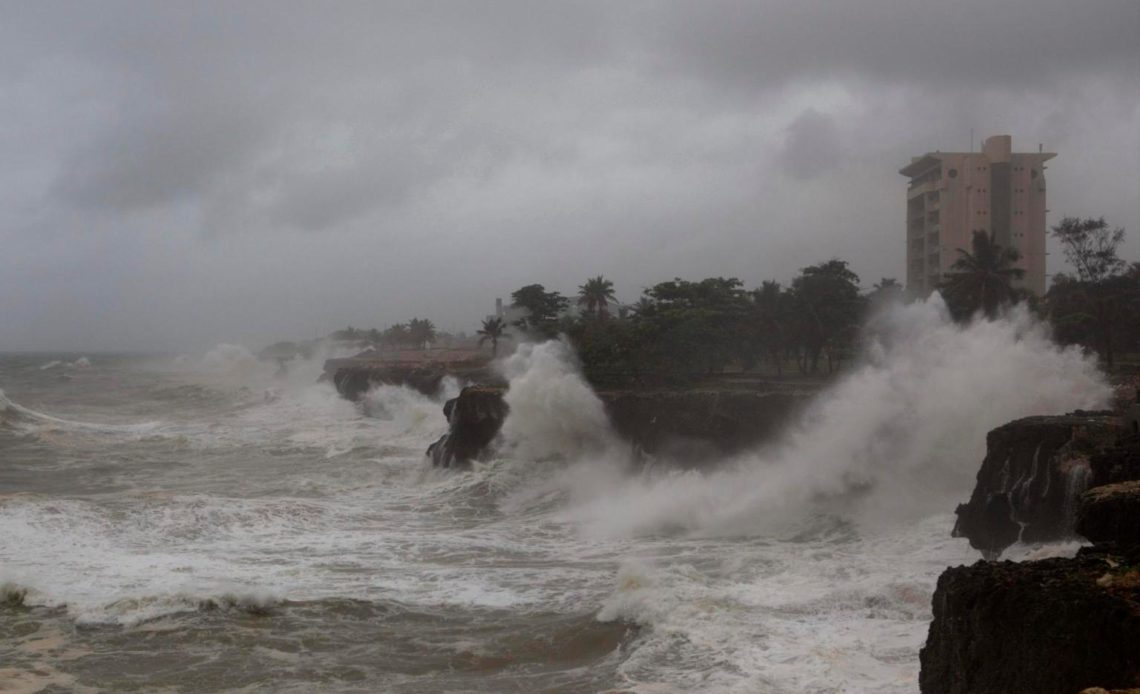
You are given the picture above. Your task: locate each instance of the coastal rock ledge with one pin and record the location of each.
(688, 427)
(1055, 626)
(1033, 474)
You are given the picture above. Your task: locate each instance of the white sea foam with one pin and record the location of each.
(898, 438)
(552, 410)
(31, 420)
(805, 567)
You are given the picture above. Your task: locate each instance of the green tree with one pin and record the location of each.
(982, 279)
(396, 335)
(769, 322)
(691, 326)
(421, 332)
(493, 330)
(349, 333)
(542, 309)
(1090, 246)
(1089, 308)
(595, 295)
(827, 307)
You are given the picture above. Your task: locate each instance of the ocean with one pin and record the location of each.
(212, 524)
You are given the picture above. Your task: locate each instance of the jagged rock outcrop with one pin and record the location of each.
(1051, 626)
(690, 425)
(474, 419)
(1057, 625)
(1033, 473)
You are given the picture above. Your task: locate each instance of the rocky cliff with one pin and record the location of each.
(686, 425)
(1033, 473)
(1054, 626)
(474, 419)
(355, 377)
(1057, 625)
(694, 425)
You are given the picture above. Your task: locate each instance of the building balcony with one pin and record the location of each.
(921, 189)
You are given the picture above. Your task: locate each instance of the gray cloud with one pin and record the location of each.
(195, 168)
(970, 43)
(813, 145)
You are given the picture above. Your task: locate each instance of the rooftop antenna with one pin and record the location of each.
(971, 140)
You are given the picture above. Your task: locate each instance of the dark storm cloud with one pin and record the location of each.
(971, 43)
(155, 149)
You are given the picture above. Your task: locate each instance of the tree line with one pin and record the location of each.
(681, 330)
(417, 333)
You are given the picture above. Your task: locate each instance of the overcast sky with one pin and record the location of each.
(178, 174)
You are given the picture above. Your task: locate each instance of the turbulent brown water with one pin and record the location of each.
(208, 525)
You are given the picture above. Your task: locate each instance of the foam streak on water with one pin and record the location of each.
(259, 533)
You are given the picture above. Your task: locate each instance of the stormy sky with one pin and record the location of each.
(178, 174)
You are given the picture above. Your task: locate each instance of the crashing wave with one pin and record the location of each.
(898, 436)
(12, 412)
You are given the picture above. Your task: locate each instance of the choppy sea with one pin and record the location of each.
(212, 524)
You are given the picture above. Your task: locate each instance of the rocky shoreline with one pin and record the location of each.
(1034, 470)
(689, 426)
(1054, 625)
(1058, 625)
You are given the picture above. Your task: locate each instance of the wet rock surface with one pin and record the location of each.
(693, 425)
(1118, 463)
(1050, 626)
(686, 426)
(1056, 625)
(1111, 513)
(474, 420)
(353, 382)
(1033, 473)
(421, 371)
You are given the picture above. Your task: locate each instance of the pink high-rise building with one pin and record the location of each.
(953, 193)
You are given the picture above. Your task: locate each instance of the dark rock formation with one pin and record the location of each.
(687, 425)
(354, 378)
(474, 419)
(352, 382)
(1034, 470)
(1111, 514)
(690, 425)
(1120, 463)
(1058, 625)
(1051, 626)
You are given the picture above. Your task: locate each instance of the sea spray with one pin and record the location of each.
(553, 412)
(557, 432)
(896, 439)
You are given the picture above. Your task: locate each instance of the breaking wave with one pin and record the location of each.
(18, 416)
(896, 439)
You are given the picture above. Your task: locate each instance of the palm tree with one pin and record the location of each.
(494, 329)
(421, 331)
(595, 294)
(982, 279)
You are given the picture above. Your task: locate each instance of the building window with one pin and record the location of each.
(952, 173)
(1033, 173)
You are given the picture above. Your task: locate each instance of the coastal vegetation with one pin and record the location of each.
(982, 279)
(681, 331)
(493, 330)
(1099, 307)
(417, 333)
